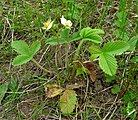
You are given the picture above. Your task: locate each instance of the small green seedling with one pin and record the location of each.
(26, 53)
(115, 89)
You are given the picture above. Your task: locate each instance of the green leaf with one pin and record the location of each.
(68, 101)
(132, 42)
(91, 34)
(95, 51)
(97, 31)
(65, 34)
(108, 63)
(94, 56)
(21, 59)
(109, 78)
(64, 38)
(21, 47)
(55, 41)
(88, 31)
(115, 89)
(115, 47)
(52, 41)
(75, 36)
(35, 47)
(3, 90)
(85, 31)
(94, 38)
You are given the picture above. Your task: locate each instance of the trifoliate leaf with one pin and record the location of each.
(95, 50)
(97, 31)
(53, 41)
(21, 59)
(21, 47)
(64, 38)
(68, 101)
(115, 47)
(108, 63)
(88, 31)
(35, 47)
(91, 34)
(94, 38)
(65, 33)
(75, 36)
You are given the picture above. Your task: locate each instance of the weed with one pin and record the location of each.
(45, 72)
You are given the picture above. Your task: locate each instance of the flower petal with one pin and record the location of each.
(50, 25)
(66, 23)
(47, 25)
(69, 23)
(63, 20)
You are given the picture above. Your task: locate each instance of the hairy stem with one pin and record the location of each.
(41, 66)
(78, 50)
(66, 59)
(75, 58)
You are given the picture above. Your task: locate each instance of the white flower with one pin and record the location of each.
(66, 23)
(48, 24)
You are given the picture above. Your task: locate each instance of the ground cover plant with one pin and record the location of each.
(69, 60)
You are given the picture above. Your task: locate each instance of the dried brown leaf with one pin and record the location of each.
(53, 90)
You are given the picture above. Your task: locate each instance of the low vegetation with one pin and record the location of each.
(69, 60)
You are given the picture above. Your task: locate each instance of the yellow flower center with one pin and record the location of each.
(67, 23)
(46, 24)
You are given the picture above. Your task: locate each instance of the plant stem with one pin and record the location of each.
(78, 50)
(66, 59)
(75, 57)
(40, 66)
(59, 53)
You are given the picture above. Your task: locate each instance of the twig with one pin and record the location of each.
(109, 111)
(112, 113)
